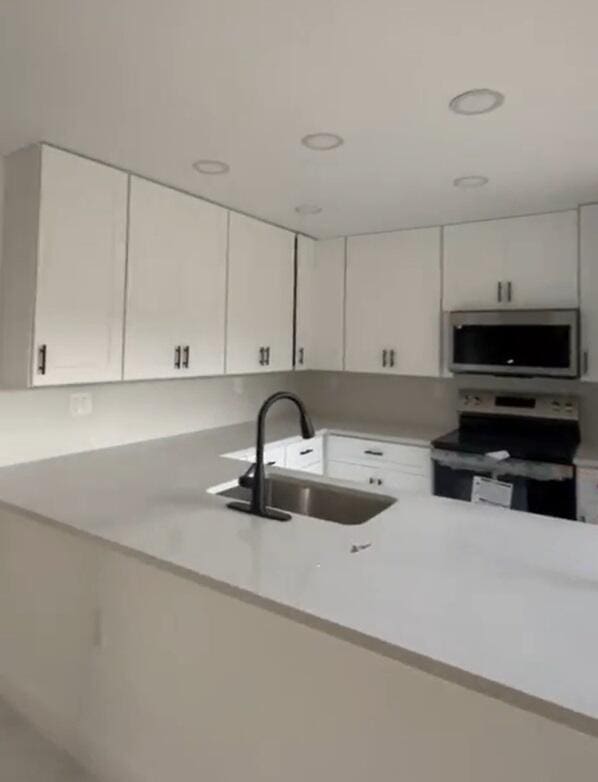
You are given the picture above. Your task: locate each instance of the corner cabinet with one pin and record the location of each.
(63, 271)
(320, 303)
(176, 284)
(393, 303)
(259, 332)
(519, 262)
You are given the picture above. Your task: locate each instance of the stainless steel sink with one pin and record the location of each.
(330, 503)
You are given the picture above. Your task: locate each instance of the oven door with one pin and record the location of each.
(538, 487)
(516, 342)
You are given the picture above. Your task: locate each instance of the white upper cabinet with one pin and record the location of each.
(320, 304)
(520, 262)
(259, 335)
(589, 291)
(176, 284)
(393, 303)
(63, 272)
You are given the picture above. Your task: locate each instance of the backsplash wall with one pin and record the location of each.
(429, 401)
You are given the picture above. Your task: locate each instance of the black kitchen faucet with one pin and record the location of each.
(257, 506)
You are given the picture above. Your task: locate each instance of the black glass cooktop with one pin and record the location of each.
(533, 440)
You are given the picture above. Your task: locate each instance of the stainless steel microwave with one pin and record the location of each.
(515, 342)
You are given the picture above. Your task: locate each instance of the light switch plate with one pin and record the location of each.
(81, 405)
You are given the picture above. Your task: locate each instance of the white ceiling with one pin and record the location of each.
(152, 85)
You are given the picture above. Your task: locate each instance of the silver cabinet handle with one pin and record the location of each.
(509, 290)
(186, 355)
(392, 358)
(42, 353)
(177, 357)
(499, 291)
(373, 453)
(384, 357)
(301, 358)
(586, 362)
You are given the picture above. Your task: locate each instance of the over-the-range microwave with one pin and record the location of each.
(526, 343)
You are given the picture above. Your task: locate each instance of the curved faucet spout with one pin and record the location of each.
(257, 506)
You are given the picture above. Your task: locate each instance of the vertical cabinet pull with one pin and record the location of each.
(268, 356)
(384, 357)
(301, 356)
(262, 356)
(586, 362)
(509, 290)
(177, 357)
(392, 358)
(186, 356)
(41, 359)
(499, 291)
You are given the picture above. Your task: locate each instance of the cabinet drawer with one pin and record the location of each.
(373, 452)
(304, 453)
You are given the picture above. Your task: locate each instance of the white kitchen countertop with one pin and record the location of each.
(502, 601)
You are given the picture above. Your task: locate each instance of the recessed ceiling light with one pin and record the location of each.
(322, 141)
(470, 181)
(211, 167)
(308, 209)
(479, 101)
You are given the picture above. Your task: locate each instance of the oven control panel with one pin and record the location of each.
(557, 406)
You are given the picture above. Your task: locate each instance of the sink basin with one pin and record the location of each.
(330, 503)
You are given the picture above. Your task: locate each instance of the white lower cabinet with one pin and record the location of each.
(394, 467)
(587, 495)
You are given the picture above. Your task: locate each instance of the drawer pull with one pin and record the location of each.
(271, 464)
(373, 453)
(306, 451)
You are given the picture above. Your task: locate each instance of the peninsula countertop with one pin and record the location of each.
(502, 601)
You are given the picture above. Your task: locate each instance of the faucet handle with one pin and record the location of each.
(246, 480)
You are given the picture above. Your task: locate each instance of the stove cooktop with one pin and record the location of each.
(556, 447)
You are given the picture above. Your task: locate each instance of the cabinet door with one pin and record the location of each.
(519, 262)
(304, 304)
(81, 271)
(175, 284)
(260, 296)
(474, 262)
(397, 482)
(393, 302)
(589, 291)
(320, 303)
(343, 471)
(541, 260)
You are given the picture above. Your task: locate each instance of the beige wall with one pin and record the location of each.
(148, 676)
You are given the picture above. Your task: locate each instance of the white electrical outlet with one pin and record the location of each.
(81, 405)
